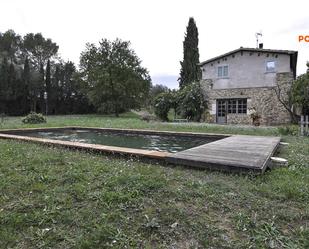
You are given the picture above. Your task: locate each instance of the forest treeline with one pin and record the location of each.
(33, 77)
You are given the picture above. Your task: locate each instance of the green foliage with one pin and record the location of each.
(162, 105)
(192, 102)
(114, 77)
(189, 102)
(39, 49)
(48, 79)
(154, 91)
(288, 130)
(12, 88)
(34, 118)
(10, 45)
(4, 83)
(300, 92)
(190, 70)
(29, 66)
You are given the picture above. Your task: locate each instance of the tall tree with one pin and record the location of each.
(48, 84)
(10, 43)
(300, 92)
(4, 85)
(28, 68)
(12, 82)
(67, 87)
(34, 89)
(41, 88)
(190, 71)
(114, 75)
(55, 95)
(26, 78)
(39, 49)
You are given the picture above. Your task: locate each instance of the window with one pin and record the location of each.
(237, 106)
(242, 106)
(223, 71)
(270, 66)
(232, 106)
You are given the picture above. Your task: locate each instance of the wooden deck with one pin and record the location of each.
(235, 153)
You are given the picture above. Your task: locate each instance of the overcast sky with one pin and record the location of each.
(156, 27)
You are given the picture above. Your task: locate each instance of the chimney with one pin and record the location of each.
(260, 45)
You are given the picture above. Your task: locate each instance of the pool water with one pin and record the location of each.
(130, 140)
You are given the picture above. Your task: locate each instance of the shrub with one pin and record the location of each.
(34, 118)
(288, 130)
(192, 102)
(162, 105)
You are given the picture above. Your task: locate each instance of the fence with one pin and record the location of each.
(304, 123)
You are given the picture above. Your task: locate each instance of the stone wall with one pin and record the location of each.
(263, 99)
(233, 118)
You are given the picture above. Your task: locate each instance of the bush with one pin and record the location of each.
(162, 105)
(288, 130)
(34, 118)
(191, 101)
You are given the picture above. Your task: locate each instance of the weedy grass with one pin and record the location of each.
(59, 198)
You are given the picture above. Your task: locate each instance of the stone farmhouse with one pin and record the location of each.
(248, 78)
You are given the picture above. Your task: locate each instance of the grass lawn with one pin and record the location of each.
(58, 198)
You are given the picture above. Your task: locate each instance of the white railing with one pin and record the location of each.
(304, 123)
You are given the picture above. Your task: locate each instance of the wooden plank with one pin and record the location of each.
(233, 153)
(253, 161)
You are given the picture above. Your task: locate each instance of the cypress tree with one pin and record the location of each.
(48, 83)
(4, 84)
(42, 88)
(12, 81)
(190, 71)
(11, 90)
(26, 78)
(26, 72)
(56, 94)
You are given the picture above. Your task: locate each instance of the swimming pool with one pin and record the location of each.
(202, 150)
(145, 140)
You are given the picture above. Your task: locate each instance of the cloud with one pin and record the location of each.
(297, 26)
(156, 29)
(166, 80)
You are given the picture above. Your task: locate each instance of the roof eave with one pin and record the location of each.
(290, 52)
